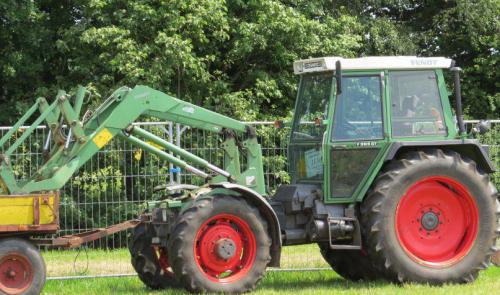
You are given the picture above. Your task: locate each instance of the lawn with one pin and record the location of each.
(303, 282)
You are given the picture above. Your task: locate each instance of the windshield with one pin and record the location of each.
(315, 91)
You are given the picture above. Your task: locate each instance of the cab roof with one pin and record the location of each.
(322, 64)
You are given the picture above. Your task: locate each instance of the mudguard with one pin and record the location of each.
(470, 148)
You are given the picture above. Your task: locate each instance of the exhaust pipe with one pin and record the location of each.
(458, 100)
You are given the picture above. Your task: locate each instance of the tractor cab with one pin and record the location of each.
(349, 111)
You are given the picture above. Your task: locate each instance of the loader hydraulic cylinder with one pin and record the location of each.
(163, 155)
(177, 150)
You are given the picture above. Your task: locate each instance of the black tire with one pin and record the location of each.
(352, 265)
(18, 254)
(379, 211)
(193, 221)
(146, 263)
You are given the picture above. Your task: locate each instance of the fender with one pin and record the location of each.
(265, 209)
(470, 148)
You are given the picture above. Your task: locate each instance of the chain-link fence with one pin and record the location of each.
(113, 185)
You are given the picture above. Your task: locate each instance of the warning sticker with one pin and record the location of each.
(314, 163)
(102, 138)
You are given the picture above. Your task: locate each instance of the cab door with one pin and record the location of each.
(356, 140)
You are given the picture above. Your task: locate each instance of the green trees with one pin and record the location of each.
(232, 55)
(235, 55)
(467, 31)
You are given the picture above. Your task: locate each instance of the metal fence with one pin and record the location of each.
(113, 185)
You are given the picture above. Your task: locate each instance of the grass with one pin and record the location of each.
(307, 282)
(63, 263)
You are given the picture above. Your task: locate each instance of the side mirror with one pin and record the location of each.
(338, 76)
(482, 127)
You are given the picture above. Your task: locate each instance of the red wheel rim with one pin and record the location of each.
(161, 254)
(225, 248)
(437, 221)
(16, 273)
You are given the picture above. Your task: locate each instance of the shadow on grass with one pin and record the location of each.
(327, 280)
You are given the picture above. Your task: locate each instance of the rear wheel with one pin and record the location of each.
(352, 265)
(431, 217)
(150, 263)
(22, 269)
(220, 244)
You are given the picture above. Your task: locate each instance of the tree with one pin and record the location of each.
(467, 31)
(23, 52)
(232, 55)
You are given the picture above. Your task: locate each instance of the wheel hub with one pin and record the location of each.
(436, 221)
(163, 261)
(225, 248)
(11, 273)
(430, 221)
(16, 274)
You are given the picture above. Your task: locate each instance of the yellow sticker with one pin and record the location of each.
(102, 138)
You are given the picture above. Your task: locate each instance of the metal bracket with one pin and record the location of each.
(73, 241)
(356, 243)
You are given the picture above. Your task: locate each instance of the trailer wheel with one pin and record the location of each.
(150, 263)
(352, 265)
(22, 269)
(220, 244)
(431, 217)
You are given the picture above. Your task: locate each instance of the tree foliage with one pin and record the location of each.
(467, 31)
(231, 55)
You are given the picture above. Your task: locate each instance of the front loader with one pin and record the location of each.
(381, 179)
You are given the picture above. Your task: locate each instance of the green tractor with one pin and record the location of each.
(381, 179)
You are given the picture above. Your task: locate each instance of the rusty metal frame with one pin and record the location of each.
(76, 240)
(67, 241)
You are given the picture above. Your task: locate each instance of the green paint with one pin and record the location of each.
(127, 105)
(382, 145)
(112, 118)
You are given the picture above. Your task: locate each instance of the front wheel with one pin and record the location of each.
(22, 269)
(220, 244)
(150, 262)
(431, 217)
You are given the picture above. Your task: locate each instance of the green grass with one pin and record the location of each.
(62, 263)
(307, 282)
(310, 282)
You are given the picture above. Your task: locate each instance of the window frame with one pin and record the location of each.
(446, 132)
(296, 119)
(381, 88)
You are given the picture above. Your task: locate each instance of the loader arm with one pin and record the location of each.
(114, 118)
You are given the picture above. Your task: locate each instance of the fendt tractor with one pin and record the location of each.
(384, 178)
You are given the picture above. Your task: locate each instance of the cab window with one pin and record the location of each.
(314, 95)
(358, 110)
(416, 105)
